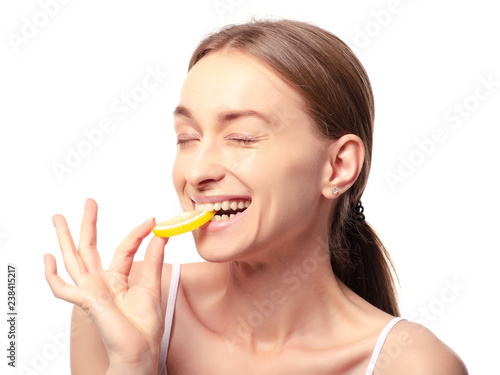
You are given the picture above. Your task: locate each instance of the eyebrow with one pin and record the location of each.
(224, 116)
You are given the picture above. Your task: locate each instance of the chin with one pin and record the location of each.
(216, 255)
(215, 251)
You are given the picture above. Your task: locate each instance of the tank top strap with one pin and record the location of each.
(169, 316)
(380, 344)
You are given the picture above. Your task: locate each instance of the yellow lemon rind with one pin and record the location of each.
(183, 223)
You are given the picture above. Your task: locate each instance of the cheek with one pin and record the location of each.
(242, 161)
(286, 183)
(284, 165)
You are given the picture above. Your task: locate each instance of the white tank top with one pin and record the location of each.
(172, 295)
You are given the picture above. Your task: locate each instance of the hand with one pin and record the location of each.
(130, 319)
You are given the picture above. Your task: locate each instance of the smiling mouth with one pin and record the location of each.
(225, 210)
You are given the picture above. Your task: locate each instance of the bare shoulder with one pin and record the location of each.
(412, 349)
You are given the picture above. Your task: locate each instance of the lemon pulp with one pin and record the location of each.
(182, 223)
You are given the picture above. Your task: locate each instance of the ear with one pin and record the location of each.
(346, 156)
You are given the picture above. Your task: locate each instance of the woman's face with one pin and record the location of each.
(245, 145)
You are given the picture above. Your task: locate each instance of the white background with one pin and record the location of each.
(425, 58)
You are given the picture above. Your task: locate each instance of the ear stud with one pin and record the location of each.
(335, 190)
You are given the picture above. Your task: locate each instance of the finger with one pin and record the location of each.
(153, 263)
(124, 254)
(87, 246)
(59, 287)
(72, 259)
(92, 304)
(99, 308)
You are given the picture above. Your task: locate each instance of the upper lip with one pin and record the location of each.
(218, 198)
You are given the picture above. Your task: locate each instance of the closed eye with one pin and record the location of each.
(183, 141)
(241, 139)
(244, 139)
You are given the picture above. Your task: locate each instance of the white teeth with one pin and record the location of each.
(226, 205)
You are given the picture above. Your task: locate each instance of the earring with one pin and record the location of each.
(335, 190)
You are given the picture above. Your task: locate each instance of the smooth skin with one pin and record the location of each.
(266, 302)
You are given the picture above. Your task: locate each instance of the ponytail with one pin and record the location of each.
(360, 260)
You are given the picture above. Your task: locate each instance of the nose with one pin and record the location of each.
(205, 166)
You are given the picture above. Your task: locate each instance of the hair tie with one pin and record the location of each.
(358, 212)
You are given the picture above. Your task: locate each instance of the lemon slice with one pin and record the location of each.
(183, 223)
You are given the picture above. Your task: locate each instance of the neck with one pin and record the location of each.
(268, 303)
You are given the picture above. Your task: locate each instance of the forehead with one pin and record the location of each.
(223, 80)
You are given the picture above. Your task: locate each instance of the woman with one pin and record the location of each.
(274, 131)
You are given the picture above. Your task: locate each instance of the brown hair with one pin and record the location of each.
(338, 96)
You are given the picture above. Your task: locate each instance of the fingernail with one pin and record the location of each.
(53, 222)
(85, 206)
(43, 258)
(148, 220)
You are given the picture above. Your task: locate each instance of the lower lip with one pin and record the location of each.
(214, 226)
